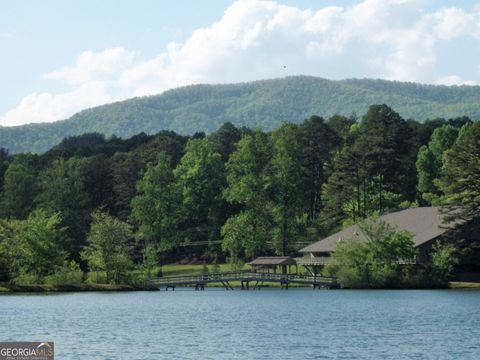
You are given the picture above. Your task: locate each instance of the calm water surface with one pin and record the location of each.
(266, 324)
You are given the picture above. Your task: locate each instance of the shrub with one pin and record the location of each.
(380, 258)
(68, 273)
(27, 279)
(96, 277)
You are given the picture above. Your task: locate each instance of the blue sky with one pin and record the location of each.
(60, 56)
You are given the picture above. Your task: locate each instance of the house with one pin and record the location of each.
(427, 225)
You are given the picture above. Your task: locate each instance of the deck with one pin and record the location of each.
(248, 280)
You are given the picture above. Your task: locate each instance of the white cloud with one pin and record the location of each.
(45, 107)
(92, 66)
(392, 39)
(453, 80)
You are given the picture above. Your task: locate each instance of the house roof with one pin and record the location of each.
(425, 223)
(272, 261)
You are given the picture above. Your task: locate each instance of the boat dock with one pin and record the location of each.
(247, 279)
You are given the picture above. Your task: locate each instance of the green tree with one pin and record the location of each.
(430, 160)
(246, 233)
(98, 183)
(3, 164)
(461, 174)
(62, 190)
(150, 260)
(374, 169)
(12, 249)
(44, 238)
(18, 189)
(341, 124)
(442, 264)
(108, 247)
(285, 186)
(224, 140)
(375, 259)
(317, 142)
(385, 156)
(343, 193)
(201, 178)
(157, 206)
(33, 246)
(126, 170)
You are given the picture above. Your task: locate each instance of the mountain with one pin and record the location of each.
(264, 103)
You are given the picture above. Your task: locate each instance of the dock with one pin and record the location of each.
(248, 280)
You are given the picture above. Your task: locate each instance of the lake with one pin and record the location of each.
(265, 324)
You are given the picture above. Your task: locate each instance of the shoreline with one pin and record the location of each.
(15, 289)
(18, 289)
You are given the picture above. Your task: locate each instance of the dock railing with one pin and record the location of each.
(245, 275)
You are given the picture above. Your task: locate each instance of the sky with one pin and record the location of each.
(58, 57)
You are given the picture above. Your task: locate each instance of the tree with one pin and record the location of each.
(285, 187)
(32, 246)
(12, 249)
(108, 247)
(317, 142)
(374, 170)
(341, 124)
(343, 193)
(430, 160)
(246, 233)
(460, 180)
(157, 206)
(150, 260)
(44, 238)
(62, 190)
(128, 167)
(201, 178)
(126, 170)
(3, 164)
(442, 265)
(385, 153)
(98, 183)
(18, 189)
(374, 260)
(224, 140)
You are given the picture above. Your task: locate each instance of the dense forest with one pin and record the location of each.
(97, 203)
(263, 104)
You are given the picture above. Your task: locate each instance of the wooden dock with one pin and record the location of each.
(248, 280)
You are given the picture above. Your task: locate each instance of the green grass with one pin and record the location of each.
(464, 285)
(186, 270)
(33, 288)
(4, 289)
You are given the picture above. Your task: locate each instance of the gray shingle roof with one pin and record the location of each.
(425, 223)
(272, 261)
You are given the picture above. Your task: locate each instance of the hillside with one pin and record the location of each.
(262, 104)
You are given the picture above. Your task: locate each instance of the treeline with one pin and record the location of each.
(93, 203)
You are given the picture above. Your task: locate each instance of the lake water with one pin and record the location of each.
(265, 324)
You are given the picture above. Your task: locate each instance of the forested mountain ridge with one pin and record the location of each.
(263, 103)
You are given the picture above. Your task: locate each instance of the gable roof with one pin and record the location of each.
(272, 261)
(425, 223)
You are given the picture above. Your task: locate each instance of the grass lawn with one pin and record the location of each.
(186, 270)
(181, 270)
(464, 285)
